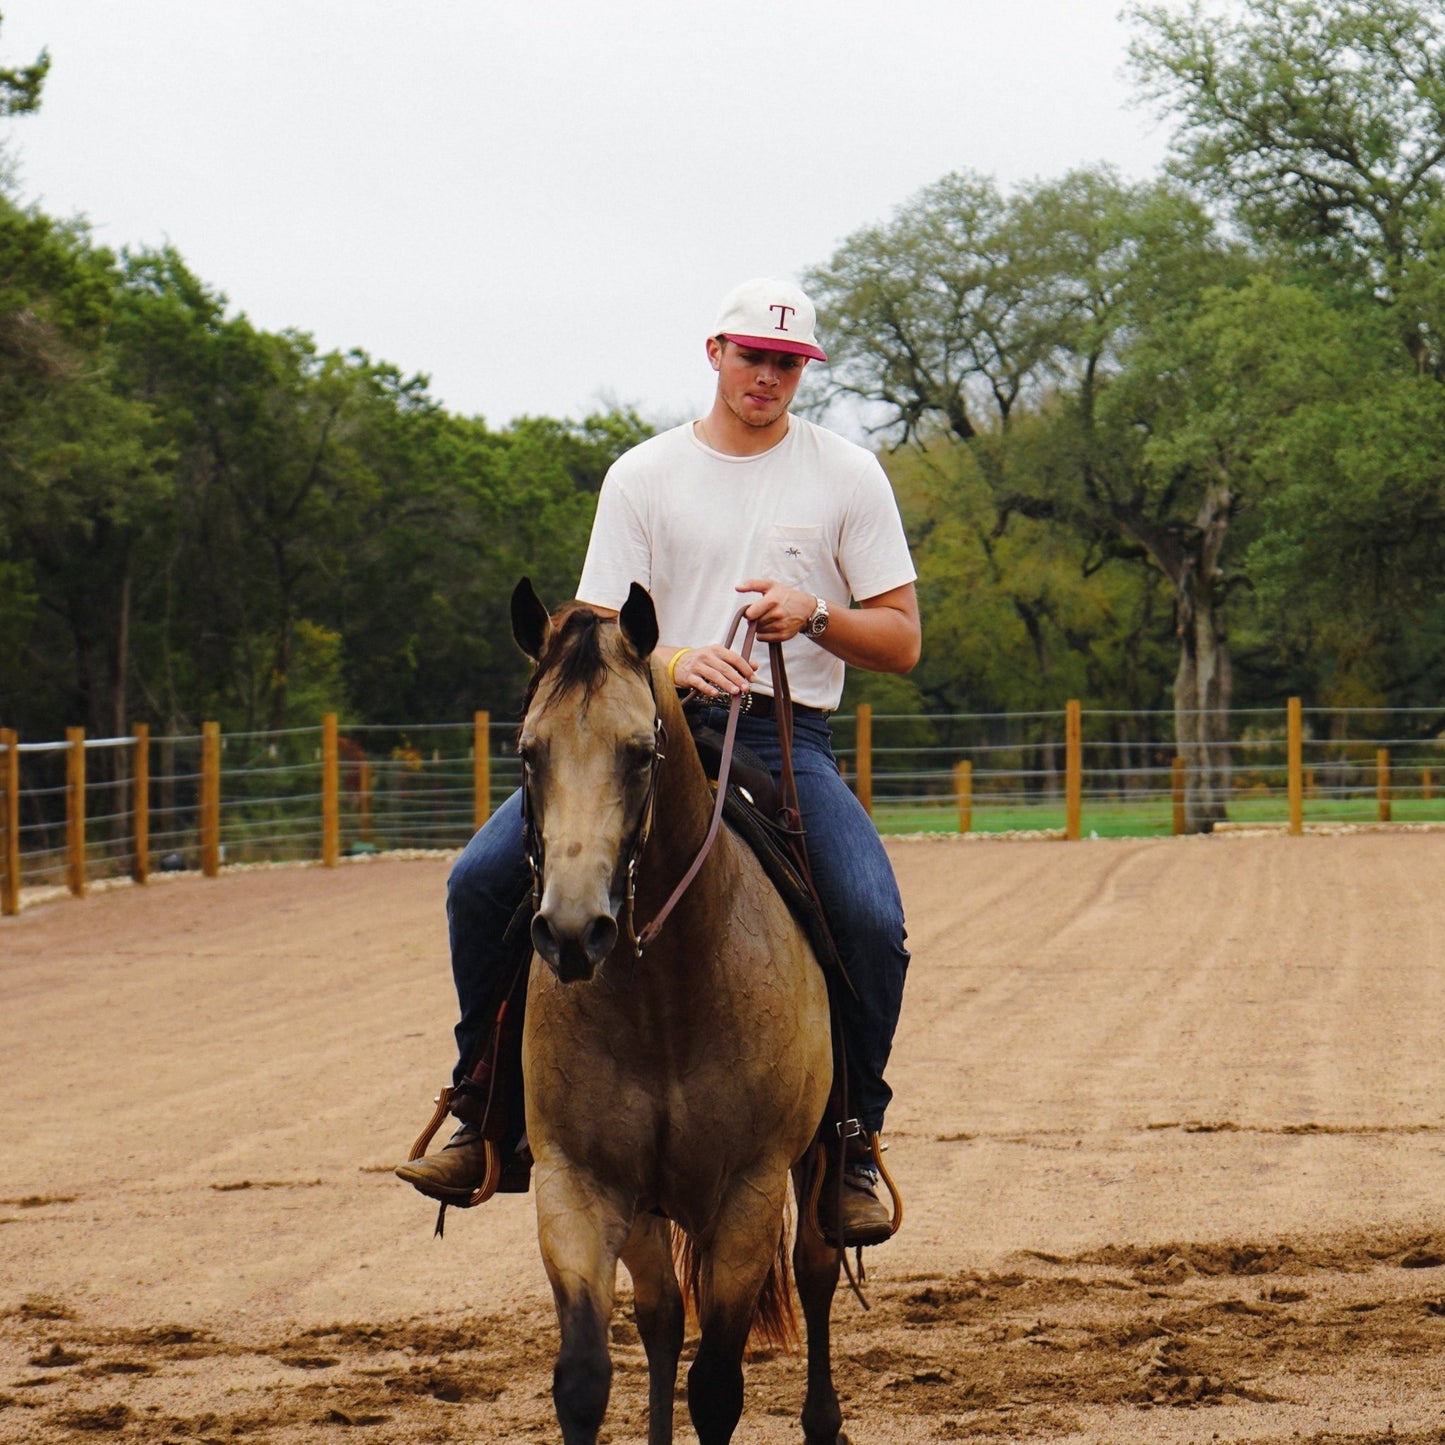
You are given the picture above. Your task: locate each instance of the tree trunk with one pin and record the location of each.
(1203, 685)
(281, 656)
(281, 677)
(120, 654)
(119, 722)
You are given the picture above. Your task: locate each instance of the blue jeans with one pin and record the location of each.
(851, 872)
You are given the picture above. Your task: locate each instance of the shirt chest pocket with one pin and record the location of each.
(798, 555)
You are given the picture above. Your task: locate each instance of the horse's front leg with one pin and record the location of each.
(581, 1234)
(658, 1305)
(815, 1268)
(736, 1261)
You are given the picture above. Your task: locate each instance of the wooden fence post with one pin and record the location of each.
(140, 863)
(330, 793)
(1425, 784)
(1295, 767)
(963, 794)
(481, 768)
(10, 822)
(1176, 789)
(211, 799)
(1382, 782)
(1073, 769)
(864, 755)
(75, 811)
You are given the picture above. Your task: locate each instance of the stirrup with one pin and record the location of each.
(490, 1179)
(815, 1190)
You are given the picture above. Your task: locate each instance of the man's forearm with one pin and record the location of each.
(877, 638)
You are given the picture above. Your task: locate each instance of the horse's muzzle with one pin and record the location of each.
(573, 949)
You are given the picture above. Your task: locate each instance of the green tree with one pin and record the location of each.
(276, 455)
(320, 495)
(1049, 299)
(1350, 550)
(81, 475)
(1319, 128)
(1021, 612)
(20, 86)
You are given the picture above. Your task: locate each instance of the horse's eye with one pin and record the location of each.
(640, 757)
(528, 757)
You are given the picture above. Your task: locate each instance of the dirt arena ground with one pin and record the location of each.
(1170, 1122)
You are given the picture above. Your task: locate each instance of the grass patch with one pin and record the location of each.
(1150, 819)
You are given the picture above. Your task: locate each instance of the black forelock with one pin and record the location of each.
(573, 660)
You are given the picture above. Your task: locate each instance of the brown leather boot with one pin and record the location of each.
(456, 1173)
(865, 1217)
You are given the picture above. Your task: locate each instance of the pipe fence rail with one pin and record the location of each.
(80, 809)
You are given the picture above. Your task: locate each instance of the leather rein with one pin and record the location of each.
(783, 702)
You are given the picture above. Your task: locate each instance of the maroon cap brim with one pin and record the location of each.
(772, 343)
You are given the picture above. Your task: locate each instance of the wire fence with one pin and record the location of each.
(409, 788)
(1130, 774)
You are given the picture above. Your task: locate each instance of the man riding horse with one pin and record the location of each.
(750, 500)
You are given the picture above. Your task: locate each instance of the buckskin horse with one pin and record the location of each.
(671, 1086)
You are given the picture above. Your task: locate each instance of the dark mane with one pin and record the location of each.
(573, 660)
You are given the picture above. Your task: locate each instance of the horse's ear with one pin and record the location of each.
(638, 620)
(531, 626)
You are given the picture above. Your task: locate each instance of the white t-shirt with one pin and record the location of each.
(815, 512)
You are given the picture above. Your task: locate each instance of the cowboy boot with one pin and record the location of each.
(460, 1169)
(488, 1105)
(453, 1175)
(865, 1218)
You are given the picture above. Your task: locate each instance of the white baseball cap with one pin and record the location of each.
(770, 315)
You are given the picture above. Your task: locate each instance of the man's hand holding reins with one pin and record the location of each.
(881, 633)
(781, 612)
(712, 670)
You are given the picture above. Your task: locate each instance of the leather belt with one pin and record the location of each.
(760, 704)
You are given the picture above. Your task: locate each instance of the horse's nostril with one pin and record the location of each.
(544, 940)
(599, 940)
(573, 951)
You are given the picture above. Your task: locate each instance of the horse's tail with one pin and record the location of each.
(775, 1320)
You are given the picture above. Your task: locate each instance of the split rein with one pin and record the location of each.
(785, 728)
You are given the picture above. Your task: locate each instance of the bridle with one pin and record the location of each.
(532, 838)
(532, 842)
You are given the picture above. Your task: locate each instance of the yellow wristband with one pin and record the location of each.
(672, 666)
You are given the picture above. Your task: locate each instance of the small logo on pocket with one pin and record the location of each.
(792, 552)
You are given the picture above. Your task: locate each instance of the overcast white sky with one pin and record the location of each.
(538, 203)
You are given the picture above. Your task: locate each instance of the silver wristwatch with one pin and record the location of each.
(817, 623)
